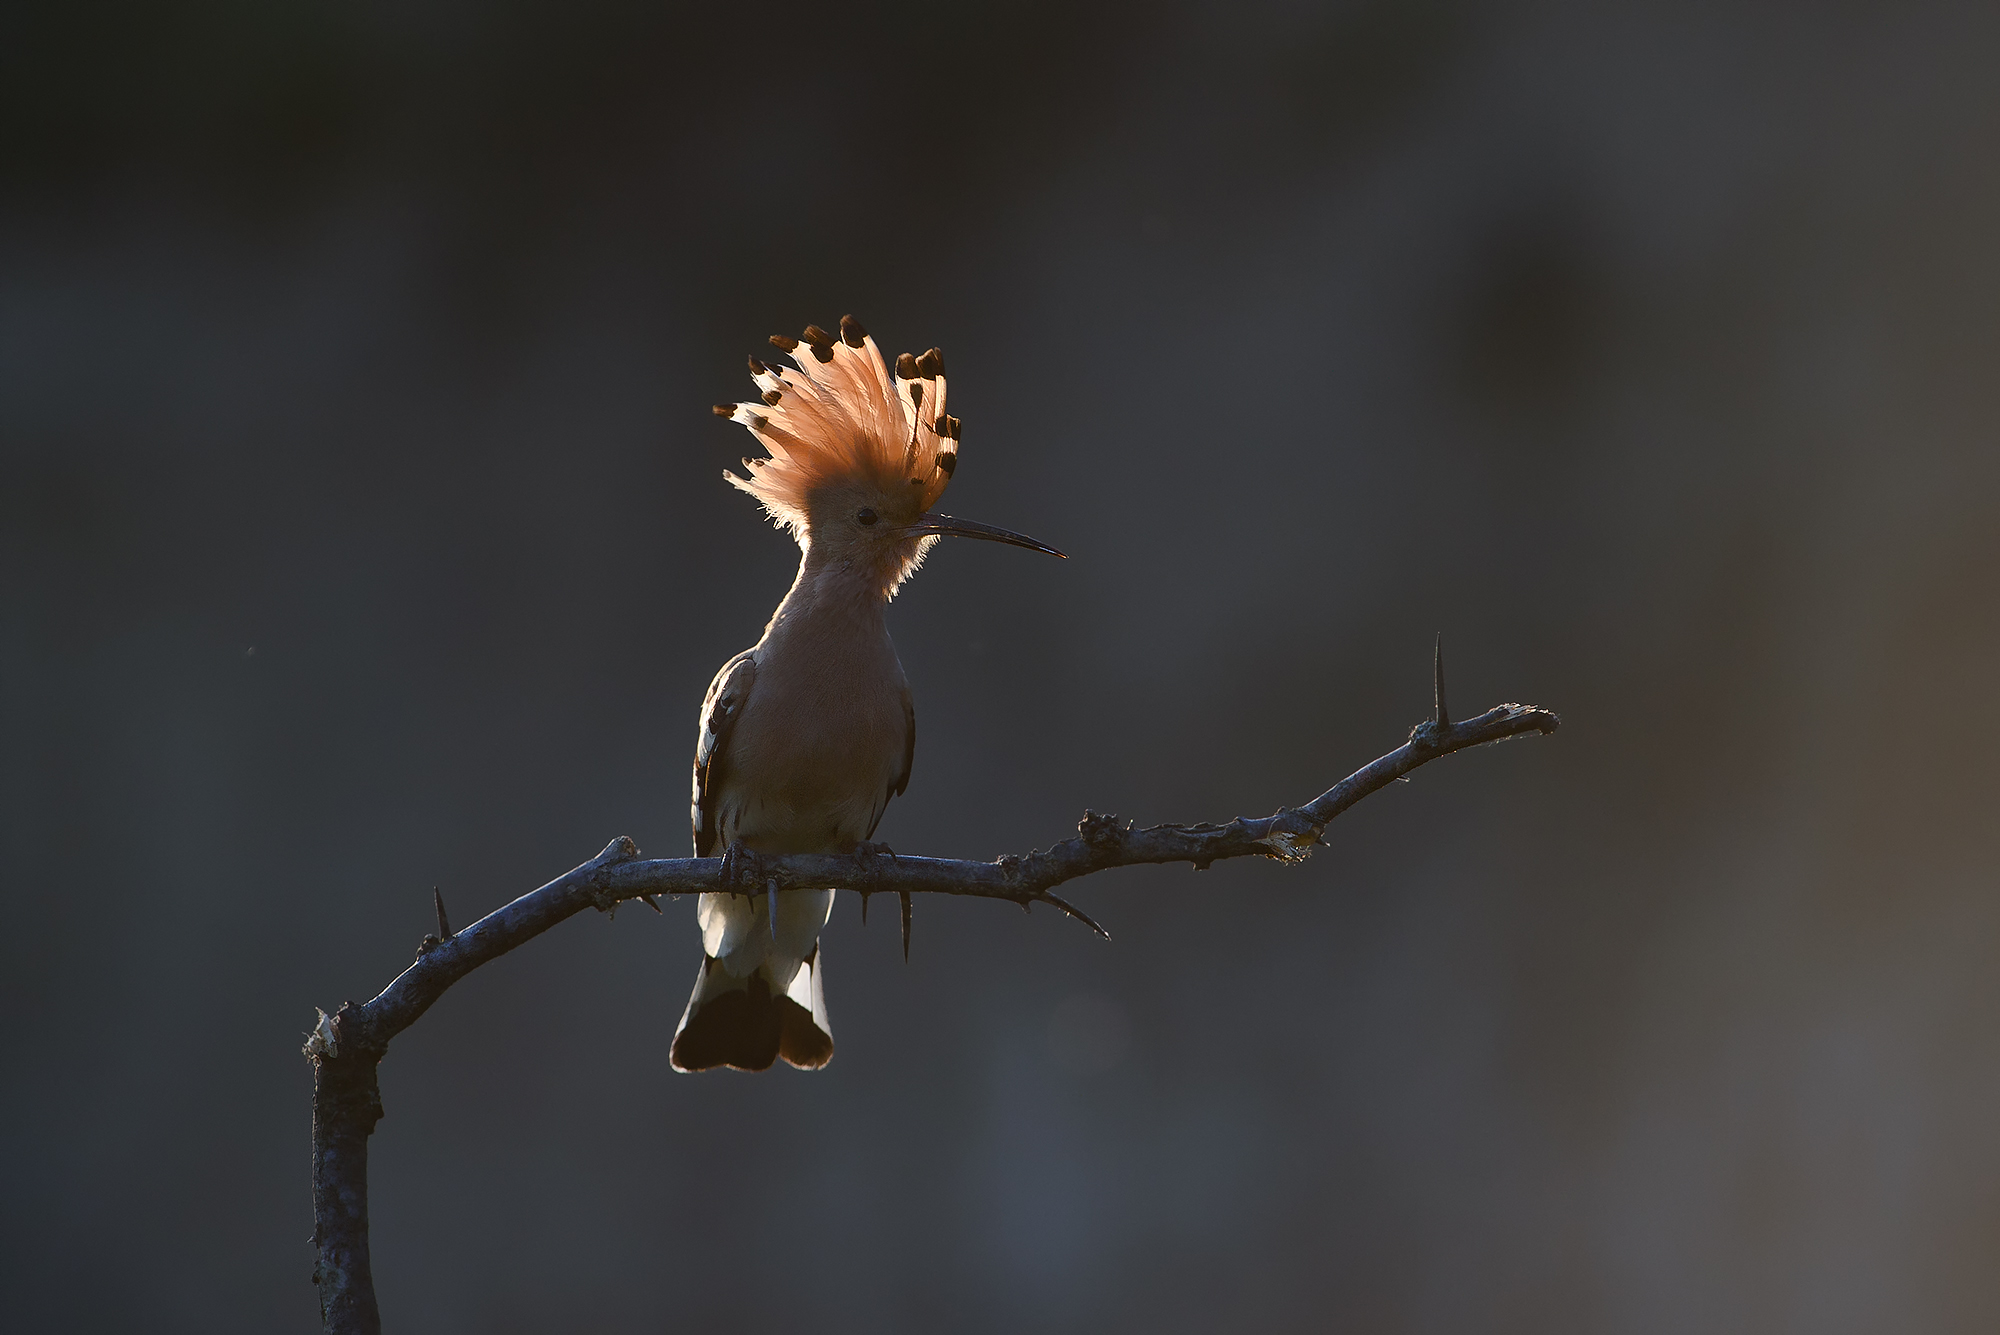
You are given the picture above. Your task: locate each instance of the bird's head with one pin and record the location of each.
(857, 455)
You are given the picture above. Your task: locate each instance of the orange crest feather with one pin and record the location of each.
(842, 417)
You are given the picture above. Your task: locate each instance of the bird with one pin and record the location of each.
(806, 736)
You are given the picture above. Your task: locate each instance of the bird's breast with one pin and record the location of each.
(818, 746)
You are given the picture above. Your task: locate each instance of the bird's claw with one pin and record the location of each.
(739, 871)
(865, 849)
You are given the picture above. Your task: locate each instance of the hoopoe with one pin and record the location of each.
(806, 735)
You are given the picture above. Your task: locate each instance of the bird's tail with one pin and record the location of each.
(748, 1023)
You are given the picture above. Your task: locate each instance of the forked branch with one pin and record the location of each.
(346, 1046)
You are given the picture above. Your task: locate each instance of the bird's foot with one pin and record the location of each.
(739, 874)
(864, 850)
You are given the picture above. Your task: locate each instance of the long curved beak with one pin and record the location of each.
(969, 528)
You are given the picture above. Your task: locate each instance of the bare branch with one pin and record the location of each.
(346, 1046)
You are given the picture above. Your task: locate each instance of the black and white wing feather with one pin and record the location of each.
(719, 713)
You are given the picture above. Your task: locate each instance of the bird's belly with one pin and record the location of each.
(779, 820)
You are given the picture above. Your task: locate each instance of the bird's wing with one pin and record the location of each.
(719, 713)
(909, 743)
(902, 779)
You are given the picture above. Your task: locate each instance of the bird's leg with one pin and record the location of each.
(771, 906)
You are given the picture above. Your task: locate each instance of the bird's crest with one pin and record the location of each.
(842, 417)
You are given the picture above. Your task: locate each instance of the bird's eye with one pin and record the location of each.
(866, 516)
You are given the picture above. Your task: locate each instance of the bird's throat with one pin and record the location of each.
(832, 592)
(857, 573)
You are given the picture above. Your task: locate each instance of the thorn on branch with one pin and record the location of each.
(432, 941)
(904, 895)
(1075, 912)
(1442, 716)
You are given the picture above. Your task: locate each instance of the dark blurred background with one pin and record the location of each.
(363, 532)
